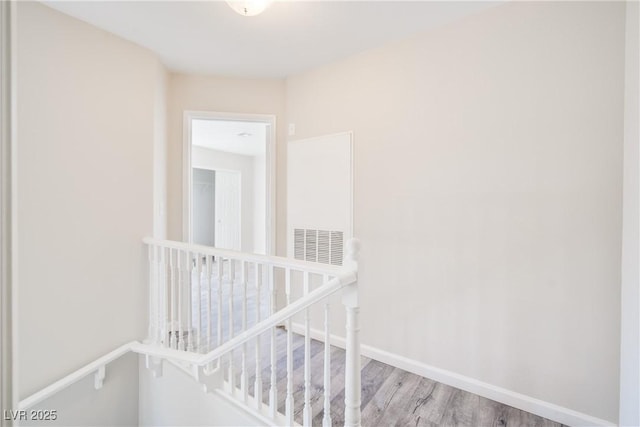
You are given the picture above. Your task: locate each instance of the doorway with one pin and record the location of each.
(228, 181)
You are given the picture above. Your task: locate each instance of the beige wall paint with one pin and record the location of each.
(160, 153)
(86, 131)
(488, 167)
(226, 95)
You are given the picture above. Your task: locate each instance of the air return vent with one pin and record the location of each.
(322, 246)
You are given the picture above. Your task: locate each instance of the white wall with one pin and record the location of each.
(220, 94)
(160, 153)
(206, 158)
(630, 293)
(87, 124)
(115, 404)
(175, 399)
(488, 173)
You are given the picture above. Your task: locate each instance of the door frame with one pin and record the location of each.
(270, 170)
(8, 210)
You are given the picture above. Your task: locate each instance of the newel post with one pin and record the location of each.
(154, 325)
(352, 363)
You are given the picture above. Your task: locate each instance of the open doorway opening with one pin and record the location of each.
(228, 181)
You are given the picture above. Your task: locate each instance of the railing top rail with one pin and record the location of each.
(74, 377)
(275, 261)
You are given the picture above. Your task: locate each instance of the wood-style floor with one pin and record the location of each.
(390, 396)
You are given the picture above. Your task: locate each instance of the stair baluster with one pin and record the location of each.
(289, 399)
(209, 284)
(232, 277)
(162, 299)
(326, 418)
(189, 343)
(273, 391)
(306, 412)
(220, 273)
(173, 341)
(244, 380)
(257, 391)
(181, 262)
(198, 260)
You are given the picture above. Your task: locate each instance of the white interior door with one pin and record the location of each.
(228, 214)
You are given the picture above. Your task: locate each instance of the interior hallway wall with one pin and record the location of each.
(87, 126)
(160, 153)
(488, 176)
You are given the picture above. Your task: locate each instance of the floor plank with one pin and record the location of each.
(388, 403)
(460, 410)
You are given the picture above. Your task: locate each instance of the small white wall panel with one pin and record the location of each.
(320, 187)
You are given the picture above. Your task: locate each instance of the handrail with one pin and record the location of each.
(275, 261)
(313, 297)
(75, 376)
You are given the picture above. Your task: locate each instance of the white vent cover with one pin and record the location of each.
(326, 247)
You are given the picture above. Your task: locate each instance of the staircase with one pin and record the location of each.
(229, 321)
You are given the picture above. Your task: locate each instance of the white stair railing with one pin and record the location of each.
(189, 285)
(223, 305)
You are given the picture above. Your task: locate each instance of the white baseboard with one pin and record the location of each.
(517, 400)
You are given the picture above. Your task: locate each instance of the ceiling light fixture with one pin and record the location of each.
(249, 7)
